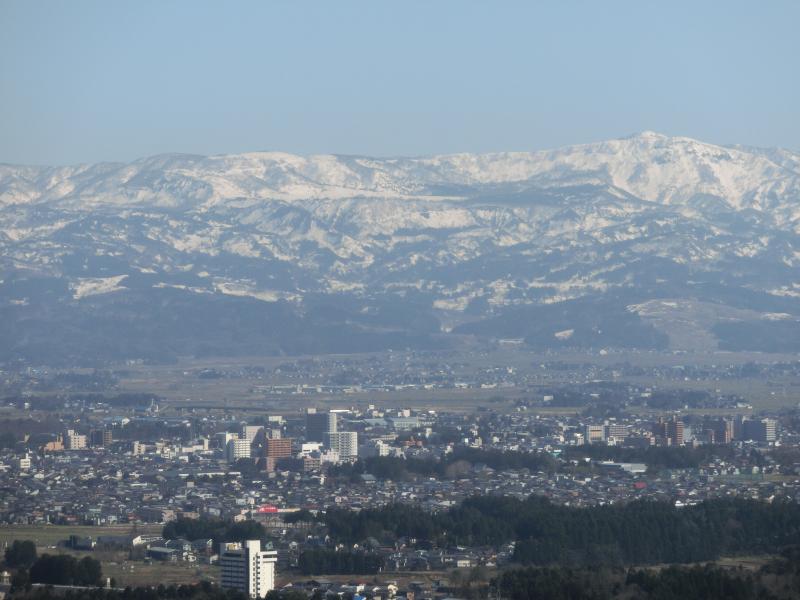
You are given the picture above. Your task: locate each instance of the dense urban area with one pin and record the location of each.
(574, 466)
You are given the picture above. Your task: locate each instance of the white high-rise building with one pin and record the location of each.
(344, 443)
(769, 429)
(247, 568)
(237, 449)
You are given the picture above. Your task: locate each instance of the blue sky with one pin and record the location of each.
(91, 81)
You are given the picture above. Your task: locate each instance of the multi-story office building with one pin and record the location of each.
(738, 427)
(595, 434)
(250, 432)
(100, 438)
(318, 424)
(374, 448)
(762, 430)
(723, 431)
(275, 449)
(74, 440)
(96, 438)
(247, 568)
(344, 443)
(312, 463)
(770, 430)
(237, 449)
(278, 447)
(223, 437)
(616, 431)
(675, 431)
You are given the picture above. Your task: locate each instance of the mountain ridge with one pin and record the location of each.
(626, 163)
(444, 241)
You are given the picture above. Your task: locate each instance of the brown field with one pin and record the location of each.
(48, 536)
(138, 573)
(115, 563)
(182, 391)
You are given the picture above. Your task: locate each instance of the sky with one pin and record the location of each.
(85, 81)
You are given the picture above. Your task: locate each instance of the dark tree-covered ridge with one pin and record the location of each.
(640, 532)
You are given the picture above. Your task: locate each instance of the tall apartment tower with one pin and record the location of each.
(74, 440)
(276, 449)
(100, 438)
(318, 424)
(675, 431)
(237, 449)
(247, 568)
(345, 443)
(770, 429)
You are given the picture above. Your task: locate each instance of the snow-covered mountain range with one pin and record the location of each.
(647, 241)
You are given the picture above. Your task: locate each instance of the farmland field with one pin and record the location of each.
(47, 536)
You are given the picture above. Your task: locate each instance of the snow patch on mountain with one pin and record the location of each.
(248, 289)
(92, 286)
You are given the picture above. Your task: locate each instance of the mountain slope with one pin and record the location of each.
(370, 253)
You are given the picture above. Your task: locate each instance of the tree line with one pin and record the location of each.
(218, 530)
(204, 590)
(59, 569)
(450, 466)
(655, 457)
(777, 579)
(325, 560)
(462, 459)
(708, 582)
(640, 532)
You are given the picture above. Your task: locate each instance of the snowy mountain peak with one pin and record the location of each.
(647, 135)
(648, 165)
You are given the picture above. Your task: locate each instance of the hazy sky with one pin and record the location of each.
(91, 81)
